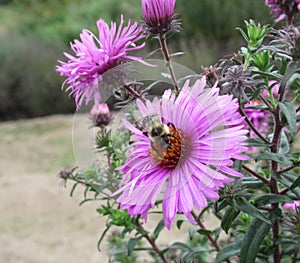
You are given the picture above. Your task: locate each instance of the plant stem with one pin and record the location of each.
(286, 169)
(295, 255)
(273, 185)
(164, 48)
(267, 103)
(151, 242)
(211, 239)
(250, 171)
(250, 124)
(246, 63)
(134, 93)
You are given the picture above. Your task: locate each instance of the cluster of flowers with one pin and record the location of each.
(206, 131)
(284, 9)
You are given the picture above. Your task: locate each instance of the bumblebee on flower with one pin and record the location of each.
(204, 132)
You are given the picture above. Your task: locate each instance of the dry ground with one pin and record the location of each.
(39, 222)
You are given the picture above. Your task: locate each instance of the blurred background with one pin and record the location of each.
(38, 221)
(34, 34)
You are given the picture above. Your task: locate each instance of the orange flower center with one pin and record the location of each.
(172, 149)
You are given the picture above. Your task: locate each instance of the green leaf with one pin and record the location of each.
(295, 183)
(245, 206)
(179, 223)
(228, 218)
(180, 245)
(290, 70)
(132, 244)
(230, 250)
(257, 230)
(289, 112)
(192, 232)
(101, 238)
(204, 232)
(270, 199)
(160, 226)
(277, 157)
(257, 142)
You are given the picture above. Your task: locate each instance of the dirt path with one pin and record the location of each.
(39, 222)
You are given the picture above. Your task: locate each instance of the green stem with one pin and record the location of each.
(164, 48)
(273, 102)
(247, 61)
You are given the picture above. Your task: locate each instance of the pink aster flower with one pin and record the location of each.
(205, 134)
(95, 55)
(284, 9)
(159, 16)
(292, 206)
(257, 116)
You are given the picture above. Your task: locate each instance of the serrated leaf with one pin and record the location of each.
(244, 206)
(132, 244)
(160, 226)
(277, 157)
(289, 112)
(257, 230)
(229, 251)
(270, 199)
(228, 218)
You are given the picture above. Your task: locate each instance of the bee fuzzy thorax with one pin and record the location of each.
(169, 146)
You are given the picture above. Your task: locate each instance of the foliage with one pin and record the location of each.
(250, 210)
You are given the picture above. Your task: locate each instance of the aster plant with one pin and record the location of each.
(218, 145)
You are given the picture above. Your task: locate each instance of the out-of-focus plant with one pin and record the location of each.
(217, 142)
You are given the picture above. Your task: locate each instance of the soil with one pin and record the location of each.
(40, 222)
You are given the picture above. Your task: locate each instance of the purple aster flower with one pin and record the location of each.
(292, 206)
(159, 16)
(96, 55)
(257, 117)
(191, 161)
(284, 9)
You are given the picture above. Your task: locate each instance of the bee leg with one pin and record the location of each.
(146, 133)
(170, 124)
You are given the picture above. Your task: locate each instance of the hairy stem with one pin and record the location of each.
(164, 48)
(151, 242)
(250, 124)
(250, 171)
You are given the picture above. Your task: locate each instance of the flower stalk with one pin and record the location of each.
(151, 242)
(252, 127)
(164, 48)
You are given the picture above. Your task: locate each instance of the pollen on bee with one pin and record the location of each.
(175, 153)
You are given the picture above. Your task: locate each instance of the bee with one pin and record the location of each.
(158, 133)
